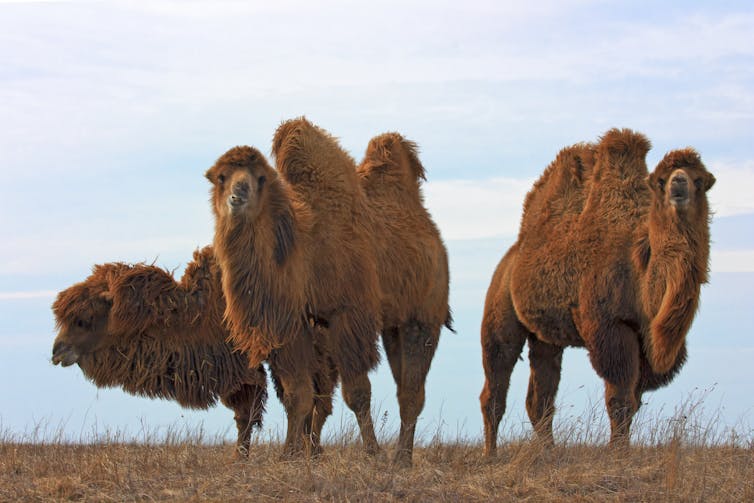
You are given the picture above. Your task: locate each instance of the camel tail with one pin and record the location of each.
(449, 322)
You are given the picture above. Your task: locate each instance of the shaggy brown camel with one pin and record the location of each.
(607, 258)
(133, 326)
(295, 245)
(413, 272)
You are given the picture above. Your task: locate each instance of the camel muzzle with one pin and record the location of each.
(679, 190)
(239, 196)
(64, 354)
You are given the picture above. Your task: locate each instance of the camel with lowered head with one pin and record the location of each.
(135, 327)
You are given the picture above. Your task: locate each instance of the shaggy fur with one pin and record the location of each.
(135, 327)
(413, 272)
(607, 258)
(295, 245)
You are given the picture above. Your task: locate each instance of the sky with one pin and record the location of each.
(110, 113)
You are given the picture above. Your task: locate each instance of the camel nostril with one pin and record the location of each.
(679, 180)
(235, 200)
(241, 189)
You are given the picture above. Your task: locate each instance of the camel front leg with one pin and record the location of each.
(248, 404)
(292, 368)
(614, 352)
(298, 400)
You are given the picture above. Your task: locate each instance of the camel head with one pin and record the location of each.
(240, 179)
(679, 184)
(82, 313)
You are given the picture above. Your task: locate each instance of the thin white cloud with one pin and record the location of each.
(24, 295)
(731, 260)
(733, 193)
(469, 209)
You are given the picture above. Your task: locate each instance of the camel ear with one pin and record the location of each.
(709, 181)
(209, 175)
(284, 236)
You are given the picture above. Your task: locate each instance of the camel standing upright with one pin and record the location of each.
(607, 258)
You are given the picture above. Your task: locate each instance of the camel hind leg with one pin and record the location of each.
(352, 346)
(357, 393)
(410, 350)
(503, 340)
(545, 362)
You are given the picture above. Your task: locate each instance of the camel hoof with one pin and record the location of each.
(241, 453)
(402, 459)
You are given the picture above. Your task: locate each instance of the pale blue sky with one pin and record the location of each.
(112, 111)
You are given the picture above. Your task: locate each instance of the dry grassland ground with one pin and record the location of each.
(525, 470)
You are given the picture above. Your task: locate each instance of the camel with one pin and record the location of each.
(135, 327)
(299, 272)
(413, 272)
(608, 258)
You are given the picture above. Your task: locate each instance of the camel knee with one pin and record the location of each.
(411, 403)
(357, 394)
(493, 401)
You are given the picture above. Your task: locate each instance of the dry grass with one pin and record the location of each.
(447, 472)
(443, 471)
(677, 459)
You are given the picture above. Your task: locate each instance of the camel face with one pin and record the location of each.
(239, 178)
(681, 181)
(81, 316)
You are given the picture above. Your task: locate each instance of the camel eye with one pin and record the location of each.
(221, 179)
(260, 182)
(79, 323)
(698, 184)
(661, 183)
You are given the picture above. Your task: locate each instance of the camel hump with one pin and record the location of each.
(392, 153)
(202, 268)
(286, 133)
(143, 296)
(204, 255)
(575, 163)
(620, 156)
(624, 142)
(559, 189)
(313, 162)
